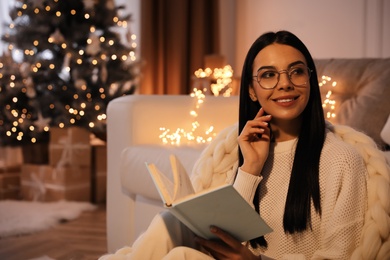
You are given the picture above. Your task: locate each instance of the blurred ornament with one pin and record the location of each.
(95, 76)
(41, 122)
(103, 73)
(110, 5)
(93, 47)
(88, 4)
(24, 69)
(65, 71)
(57, 37)
(127, 86)
(37, 3)
(80, 83)
(31, 93)
(113, 89)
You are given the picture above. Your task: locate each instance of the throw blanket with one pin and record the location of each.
(218, 163)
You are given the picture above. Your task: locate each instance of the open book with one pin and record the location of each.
(223, 206)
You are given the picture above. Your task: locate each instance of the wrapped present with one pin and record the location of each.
(69, 147)
(73, 135)
(35, 153)
(10, 185)
(11, 159)
(48, 183)
(52, 192)
(99, 173)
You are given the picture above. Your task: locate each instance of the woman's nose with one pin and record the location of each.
(284, 80)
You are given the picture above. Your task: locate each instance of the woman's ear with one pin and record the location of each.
(252, 94)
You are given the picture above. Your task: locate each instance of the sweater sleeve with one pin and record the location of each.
(344, 206)
(246, 184)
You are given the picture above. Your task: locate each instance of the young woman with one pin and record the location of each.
(307, 184)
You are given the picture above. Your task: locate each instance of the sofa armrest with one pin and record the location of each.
(136, 120)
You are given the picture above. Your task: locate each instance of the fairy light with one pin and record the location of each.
(219, 79)
(180, 135)
(328, 104)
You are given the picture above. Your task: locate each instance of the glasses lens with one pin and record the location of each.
(299, 75)
(268, 78)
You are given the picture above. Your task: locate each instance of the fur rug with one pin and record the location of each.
(26, 217)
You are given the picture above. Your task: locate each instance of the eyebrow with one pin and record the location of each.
(289, 66)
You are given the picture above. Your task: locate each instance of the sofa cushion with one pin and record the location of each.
(385, 133)
(135, 178)
(362, 93)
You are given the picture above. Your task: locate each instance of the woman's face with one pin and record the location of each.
(286, 101)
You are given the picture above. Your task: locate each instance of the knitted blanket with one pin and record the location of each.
(218, 164)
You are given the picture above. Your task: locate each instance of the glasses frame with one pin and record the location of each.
(288, 76)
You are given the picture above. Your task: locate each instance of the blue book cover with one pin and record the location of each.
(222, 206)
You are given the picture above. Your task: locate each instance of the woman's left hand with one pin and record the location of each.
(227, 247)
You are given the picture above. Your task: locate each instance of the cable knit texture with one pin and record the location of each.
(375, 241)
(218, 163)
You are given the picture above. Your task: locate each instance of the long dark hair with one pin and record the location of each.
(304, 181)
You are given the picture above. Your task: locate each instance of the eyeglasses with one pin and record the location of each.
(298, 75)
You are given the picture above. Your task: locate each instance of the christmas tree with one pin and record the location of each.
(66, 60)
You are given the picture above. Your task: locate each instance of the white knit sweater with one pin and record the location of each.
(343, 186)
(218, 165)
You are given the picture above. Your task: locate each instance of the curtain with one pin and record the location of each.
(175, 37)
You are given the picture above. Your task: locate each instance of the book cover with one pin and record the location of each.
(223, 206)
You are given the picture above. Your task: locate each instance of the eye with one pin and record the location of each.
(297, 71)
(268, 74)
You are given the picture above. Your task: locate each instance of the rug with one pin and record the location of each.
(26, 217)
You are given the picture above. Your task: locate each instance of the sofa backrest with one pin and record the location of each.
(362, 93)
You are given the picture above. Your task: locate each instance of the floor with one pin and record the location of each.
(80, 239)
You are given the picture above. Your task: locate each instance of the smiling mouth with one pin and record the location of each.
(286, 100)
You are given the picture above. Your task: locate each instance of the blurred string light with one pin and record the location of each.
(218, 80)
(328, 104)
(194, 135)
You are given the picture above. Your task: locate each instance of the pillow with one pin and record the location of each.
(385, 133)
(362, 91)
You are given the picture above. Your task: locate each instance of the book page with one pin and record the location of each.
(163, 184)
(182, 182)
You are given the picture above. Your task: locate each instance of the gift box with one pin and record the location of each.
(35, 153)
(10, 186)
(69, 147)
(11, 159)
(99, 173)
(72, 135)
(69, 155)
(48, 183)
(80, 192)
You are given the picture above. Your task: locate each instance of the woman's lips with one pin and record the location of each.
(285, 101)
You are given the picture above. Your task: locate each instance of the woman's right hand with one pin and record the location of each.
(254, 142)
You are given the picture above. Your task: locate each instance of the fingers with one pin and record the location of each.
(254, 141)
(256, 128)
(225, 237)
(218, 246)
(225, 248)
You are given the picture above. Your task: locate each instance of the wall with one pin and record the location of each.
(330, 29)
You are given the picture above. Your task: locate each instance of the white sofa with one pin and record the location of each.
(133, 129)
